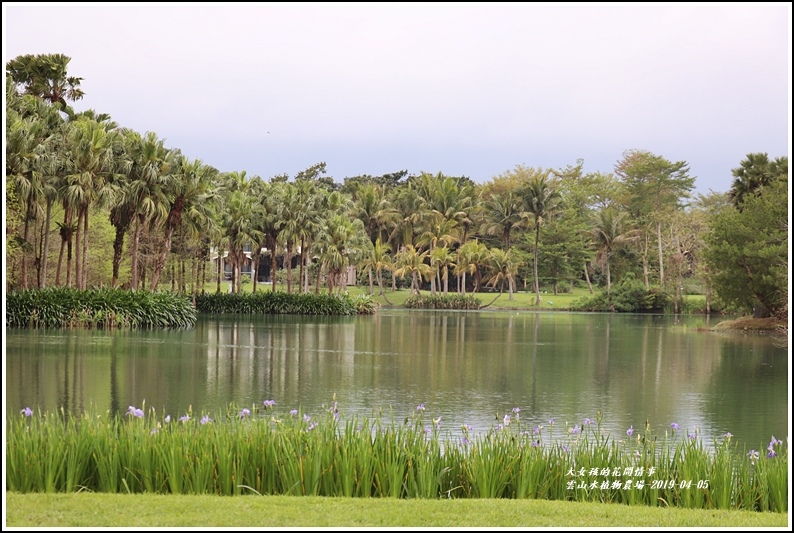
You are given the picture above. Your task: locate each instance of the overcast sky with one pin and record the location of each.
(462, 89)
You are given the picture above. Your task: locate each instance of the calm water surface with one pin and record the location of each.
(466, 367)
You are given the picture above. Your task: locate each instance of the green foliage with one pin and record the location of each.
(628, 296)
(747, 251)
(441, 301)
(282, 303)
(61, 307)
(266, 452)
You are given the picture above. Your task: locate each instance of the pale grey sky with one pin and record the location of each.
(459, 88)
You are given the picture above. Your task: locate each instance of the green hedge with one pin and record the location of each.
(62, 307)
(282, 303)
(440, 301)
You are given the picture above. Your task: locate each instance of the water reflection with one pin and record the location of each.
(466, 367)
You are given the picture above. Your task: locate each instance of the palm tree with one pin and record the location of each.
(541, 202)
(45, 76)
(502, 214)
(470, 256)
(411, 261)
(144, 198)
(503, 268)
(189, 187)
(341, 243)
(91, 179)
(608, 232)
(441, 260)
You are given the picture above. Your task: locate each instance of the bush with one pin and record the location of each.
(440, 301)
(282, 303)
(63, 307)
(628, 296)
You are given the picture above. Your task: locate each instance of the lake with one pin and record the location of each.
(466, 367)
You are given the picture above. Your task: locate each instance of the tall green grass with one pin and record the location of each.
(259, 450)
(282, 303)
(63, 307)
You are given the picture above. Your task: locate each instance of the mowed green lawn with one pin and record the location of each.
(521, 299)
(145, 510)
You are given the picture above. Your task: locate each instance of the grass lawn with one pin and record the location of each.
(145, 510)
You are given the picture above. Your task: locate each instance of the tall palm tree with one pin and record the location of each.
(45, 76)
(411, 261)
(470, 257)
(190, 186)
(144, 197)
(608, 231)
(90, 179)
(503, 268)
(502, 214)
(341, 243)
(541, 202)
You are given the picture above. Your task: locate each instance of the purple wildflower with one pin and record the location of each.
(467, 428)
(691, 435)
(293, 412)
(565, 448)
(575, 429)
(536, 430)
(551, 421)
(167, 418)
(675, 426)
(427, 430)
(154, 431)
(630, 431)
(465, 441)
(245, 412)
(535, 444)
(134, 411)
(307, 418)
(507, 420)
(771, 454)
(205, 419)
(420, 407)
(269, 403)
(312, 426)
(184, 418)
(587, 421)
(728, 435)
(500, 427)
(27, 411)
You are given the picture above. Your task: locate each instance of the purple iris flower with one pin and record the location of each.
(269, 403)
(420, 407)
(245, 412)
(675, 426)
(205, 419)
(27, 411)
(630, 431)
(293, 412)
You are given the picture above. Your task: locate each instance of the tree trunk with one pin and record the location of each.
(136, 239)
(118, 249)
(587, 277)
(84, 283)
(46, 252)
(537, 284)
(661, 258)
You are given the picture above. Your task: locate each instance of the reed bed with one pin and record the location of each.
(282, 303)
(261, 450)
(64, 307)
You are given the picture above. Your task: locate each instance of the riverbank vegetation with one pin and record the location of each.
(268, 451)
(65, 307)
(90, 203)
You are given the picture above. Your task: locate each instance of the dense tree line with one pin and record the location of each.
(91, 203)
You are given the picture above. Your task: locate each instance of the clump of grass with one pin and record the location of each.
(64, 307)
(282, 303)
(263, 450)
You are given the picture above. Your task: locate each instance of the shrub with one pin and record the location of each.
(63, 307)
(440, 301)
